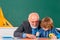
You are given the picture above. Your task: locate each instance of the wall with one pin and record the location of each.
(16, 11)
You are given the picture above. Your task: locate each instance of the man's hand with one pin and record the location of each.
(30, 36)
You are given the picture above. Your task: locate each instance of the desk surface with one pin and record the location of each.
(25, 39)
(35, 39)
(31, 39)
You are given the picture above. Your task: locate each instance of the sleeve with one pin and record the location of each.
(19, 31)
(24, 35)
(57, 33)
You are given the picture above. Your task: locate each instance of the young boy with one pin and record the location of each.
(47, 28)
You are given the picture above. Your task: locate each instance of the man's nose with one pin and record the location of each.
(35, 24)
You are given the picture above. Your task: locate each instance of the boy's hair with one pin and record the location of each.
(47, 22)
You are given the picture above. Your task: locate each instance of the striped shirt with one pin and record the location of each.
(45, 34)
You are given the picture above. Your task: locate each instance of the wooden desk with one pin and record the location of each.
(36, 39)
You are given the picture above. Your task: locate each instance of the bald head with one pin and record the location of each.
(33, 18)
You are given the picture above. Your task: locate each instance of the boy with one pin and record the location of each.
(47, 28)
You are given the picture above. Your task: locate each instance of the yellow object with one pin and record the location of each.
(3, 21)
(51, 35)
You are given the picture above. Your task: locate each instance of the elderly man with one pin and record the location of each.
(28, 28)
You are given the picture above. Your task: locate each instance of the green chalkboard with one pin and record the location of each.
(16, 11)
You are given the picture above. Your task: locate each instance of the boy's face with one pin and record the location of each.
(47, 25)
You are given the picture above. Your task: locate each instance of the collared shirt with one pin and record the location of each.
(45, 34)
(34, 31)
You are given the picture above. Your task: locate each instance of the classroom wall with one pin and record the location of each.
(16, 11)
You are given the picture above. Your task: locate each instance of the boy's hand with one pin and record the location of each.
(52, 36)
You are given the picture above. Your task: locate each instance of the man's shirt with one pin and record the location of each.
(34, 31)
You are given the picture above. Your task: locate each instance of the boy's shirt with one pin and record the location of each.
(45, 34)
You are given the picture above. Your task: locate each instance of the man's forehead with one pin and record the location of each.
(34, 20)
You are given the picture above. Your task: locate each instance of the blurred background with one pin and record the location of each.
(17, 11)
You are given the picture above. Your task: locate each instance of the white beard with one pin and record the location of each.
(33, 27)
